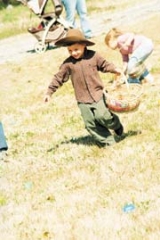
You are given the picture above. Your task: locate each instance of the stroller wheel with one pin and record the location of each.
(40, 47)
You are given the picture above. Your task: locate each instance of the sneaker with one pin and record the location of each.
(119, 131)
(133, 80)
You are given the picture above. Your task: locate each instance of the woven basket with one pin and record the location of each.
(124, 98)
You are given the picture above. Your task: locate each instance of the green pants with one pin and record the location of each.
(98, 120)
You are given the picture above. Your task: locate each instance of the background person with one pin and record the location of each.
(77, 6)
(135, 49)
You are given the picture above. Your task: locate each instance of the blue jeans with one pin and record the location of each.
(3, 143)
(138, 57)
(79, 6)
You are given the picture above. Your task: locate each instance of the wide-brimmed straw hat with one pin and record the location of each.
(73, 36)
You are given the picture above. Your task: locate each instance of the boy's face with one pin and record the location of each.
(76, 50)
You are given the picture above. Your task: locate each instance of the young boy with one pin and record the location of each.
(82, 67)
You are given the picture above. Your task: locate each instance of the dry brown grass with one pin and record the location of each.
(55, 184)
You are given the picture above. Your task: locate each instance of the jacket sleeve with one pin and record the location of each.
(59, 78)
(125, 57)
(105, 66)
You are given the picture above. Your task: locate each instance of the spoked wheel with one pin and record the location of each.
(40, 47)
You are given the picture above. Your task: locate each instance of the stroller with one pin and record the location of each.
(52, 27)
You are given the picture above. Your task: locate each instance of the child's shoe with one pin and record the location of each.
(147, 77)
(133, 80)
(119, 131)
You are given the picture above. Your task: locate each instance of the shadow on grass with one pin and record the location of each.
(89, 141)
(132, 133)
(84, 140)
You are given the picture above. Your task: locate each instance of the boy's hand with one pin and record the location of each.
(47, 98)
(119, 71)
(119, 79)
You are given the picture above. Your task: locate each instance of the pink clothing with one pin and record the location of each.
(138, 40)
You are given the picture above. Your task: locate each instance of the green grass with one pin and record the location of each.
(55, 182)
(61, 185)
(15, 20)
(3, 200)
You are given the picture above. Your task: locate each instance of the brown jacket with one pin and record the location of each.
(84, 74)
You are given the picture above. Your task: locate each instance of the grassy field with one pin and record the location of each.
(55, 183)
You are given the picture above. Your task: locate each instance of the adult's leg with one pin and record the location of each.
(84, 21)
(70, 9)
